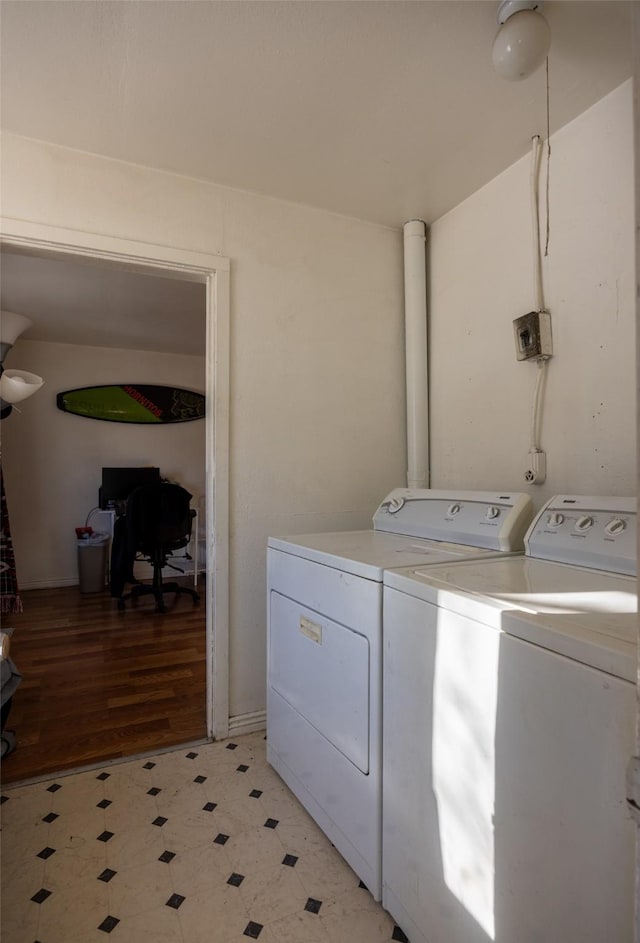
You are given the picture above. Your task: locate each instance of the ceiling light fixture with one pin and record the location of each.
(15, 385)
(523, 40)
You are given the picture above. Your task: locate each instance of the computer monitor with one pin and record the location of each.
(118, 483)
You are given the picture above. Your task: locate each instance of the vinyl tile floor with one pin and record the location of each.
(203, 844)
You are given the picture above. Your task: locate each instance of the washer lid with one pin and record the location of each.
(607, 644)
(587, 615)
(368, 553)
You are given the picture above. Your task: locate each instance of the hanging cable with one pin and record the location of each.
(536, 408)
(536, 152)
(90, 514)
(546, 242)
(537, 473)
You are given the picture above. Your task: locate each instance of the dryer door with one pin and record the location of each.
(321, 669)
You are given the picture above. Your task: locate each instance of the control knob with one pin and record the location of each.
(492, 512)
(555, 519)
(584, 522)
(454, 509)
(615, 526)
(394, 505)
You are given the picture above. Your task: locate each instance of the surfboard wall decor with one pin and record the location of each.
(133, 402)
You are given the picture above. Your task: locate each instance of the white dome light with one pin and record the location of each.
(523, 40)
(16, 385)
(12, 325)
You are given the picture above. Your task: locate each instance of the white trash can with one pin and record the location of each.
(92, 563)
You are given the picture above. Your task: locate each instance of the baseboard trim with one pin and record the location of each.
(247, 723)
(49, 584)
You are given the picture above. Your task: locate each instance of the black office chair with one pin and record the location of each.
(158, 522)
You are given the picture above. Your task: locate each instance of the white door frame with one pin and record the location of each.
(635, 762)
(213, 271)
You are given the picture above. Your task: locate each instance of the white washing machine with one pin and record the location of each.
(509, 717)
(324, 692)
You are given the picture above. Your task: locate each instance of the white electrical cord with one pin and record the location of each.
(536, 408)
(90, 514)
(536, 153)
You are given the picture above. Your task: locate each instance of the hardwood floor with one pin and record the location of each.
(100, 684)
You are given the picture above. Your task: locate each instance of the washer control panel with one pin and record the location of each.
(596, 532)
(487, 519)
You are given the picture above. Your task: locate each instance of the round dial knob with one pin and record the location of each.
(555, 519)
(492, 512)
(394, 505)
(584, 522)
(615, 526)
(454, 508)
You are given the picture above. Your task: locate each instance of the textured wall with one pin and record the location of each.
(317, 431)
(482, 278)
(52, 460)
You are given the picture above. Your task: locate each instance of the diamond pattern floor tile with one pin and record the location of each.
(200, 845)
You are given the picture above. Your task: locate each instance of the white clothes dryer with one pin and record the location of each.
(509, 719)
(324, 690)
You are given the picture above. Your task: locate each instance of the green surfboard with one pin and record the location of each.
(133, 402)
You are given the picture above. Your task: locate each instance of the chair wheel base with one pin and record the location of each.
(145, 589)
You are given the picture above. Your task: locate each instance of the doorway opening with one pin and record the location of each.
(213, 273)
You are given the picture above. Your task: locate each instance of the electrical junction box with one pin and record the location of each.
(532, 334)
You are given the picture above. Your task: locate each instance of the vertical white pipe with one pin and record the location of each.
(416, 353)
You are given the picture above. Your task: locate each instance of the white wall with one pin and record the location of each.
(482, 278)
(52, 460)
(317, 402)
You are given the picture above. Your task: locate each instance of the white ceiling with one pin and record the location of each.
(73, 302)
(381, 109)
